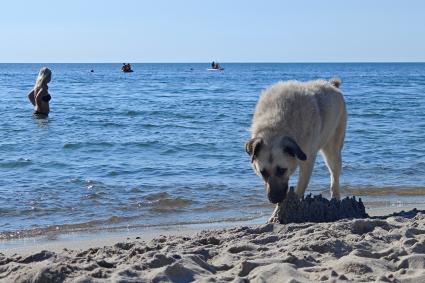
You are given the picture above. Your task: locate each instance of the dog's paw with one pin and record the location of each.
(273, 220)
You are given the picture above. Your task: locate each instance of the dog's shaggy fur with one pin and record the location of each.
(292, 122)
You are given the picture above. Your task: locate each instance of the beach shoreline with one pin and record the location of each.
(58, 240)
(357, 249)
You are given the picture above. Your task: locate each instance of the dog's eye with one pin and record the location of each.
(265, 174)
(280, 171)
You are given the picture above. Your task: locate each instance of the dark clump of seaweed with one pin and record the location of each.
(318, 209)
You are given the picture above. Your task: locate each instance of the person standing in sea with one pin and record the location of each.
(40, 96)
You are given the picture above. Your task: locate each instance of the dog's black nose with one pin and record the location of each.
(276, 190)
(276, 198)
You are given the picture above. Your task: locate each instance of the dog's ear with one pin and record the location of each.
(292, 148)
(253, 146)
(336, 82)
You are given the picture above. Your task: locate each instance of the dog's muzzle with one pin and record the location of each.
(276, 190)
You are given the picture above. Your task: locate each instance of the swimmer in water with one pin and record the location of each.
(40, 96)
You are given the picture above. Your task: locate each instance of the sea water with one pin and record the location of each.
(165, 144)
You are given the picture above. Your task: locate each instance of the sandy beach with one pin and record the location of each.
(386, 249)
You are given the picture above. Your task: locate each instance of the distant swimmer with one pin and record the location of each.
(40, 96)
(126, 68)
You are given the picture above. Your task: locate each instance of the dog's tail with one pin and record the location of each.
(336, 82)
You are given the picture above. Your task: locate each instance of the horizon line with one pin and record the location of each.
(223, 62)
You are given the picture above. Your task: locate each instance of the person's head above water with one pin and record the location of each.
(44, 77)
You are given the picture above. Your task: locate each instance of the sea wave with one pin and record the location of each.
(164, 202)
(76, 145)
(383, 191)
(20, 162)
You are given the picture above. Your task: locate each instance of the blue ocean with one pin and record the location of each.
(164, 145)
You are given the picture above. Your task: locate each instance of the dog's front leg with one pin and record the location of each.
(306, 168)
(275, 215)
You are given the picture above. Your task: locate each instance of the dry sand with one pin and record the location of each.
(390, 249)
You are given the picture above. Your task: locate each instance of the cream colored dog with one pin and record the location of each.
(292, 122)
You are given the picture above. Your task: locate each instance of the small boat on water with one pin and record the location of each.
(215, 67)
(219, 69)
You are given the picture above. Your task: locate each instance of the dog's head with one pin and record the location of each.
(274, 161)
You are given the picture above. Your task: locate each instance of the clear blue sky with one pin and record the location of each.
(201, 31)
